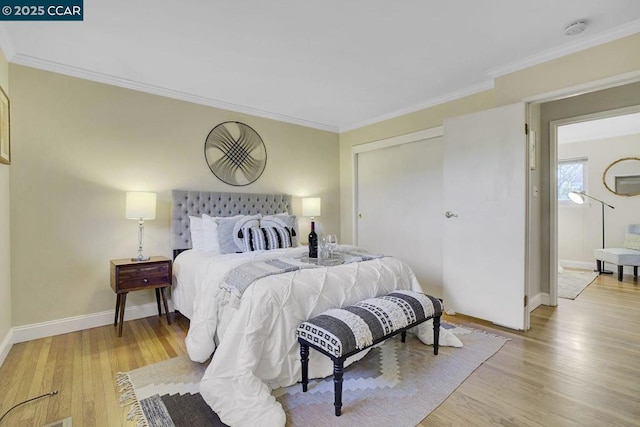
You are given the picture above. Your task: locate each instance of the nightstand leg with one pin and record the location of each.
(158, 302)
(123, 302)
(166, 306)
(115, 321)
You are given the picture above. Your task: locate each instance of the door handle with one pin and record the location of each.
(450, 214)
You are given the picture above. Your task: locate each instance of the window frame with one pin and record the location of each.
(585, 165)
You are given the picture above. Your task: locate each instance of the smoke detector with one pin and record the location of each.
(576, 27)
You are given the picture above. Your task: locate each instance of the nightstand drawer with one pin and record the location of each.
(138, 276)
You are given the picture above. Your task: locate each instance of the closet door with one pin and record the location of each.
(484, 240)
(399, 206)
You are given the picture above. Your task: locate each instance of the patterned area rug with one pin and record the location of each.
(395, 384)
(572, 282)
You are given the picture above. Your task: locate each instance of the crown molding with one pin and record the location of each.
(81, 73)
(625, 30)
(452, 96)
(630, 28)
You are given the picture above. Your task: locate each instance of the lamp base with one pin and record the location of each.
(605, 271)
(141, 258)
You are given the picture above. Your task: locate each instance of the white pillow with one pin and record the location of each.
(210, 233)
(204, 233)
(195, 228)
(632, 241)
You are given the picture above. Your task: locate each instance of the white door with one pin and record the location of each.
(484, 235)
(399, 205)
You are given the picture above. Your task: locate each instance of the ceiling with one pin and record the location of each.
(598, 129)
(332, 64)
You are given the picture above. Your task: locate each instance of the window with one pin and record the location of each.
(571, 177)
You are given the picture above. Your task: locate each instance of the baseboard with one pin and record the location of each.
(78, 323)
(5, 347)
(537, 300)
(592, 266)
(534, 302)
(583, 265)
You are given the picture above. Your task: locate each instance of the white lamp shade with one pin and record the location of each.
(311, 206)
(141, 205)
(576, 197)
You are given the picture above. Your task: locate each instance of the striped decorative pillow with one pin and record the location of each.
(261, 238)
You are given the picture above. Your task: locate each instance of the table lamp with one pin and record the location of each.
(140, 205)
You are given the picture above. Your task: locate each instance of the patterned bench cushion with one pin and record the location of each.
(343, 330)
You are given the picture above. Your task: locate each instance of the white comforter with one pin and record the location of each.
(258, 350)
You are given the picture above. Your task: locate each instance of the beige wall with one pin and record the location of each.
(79, 145)
(597, 63)
(5, 248)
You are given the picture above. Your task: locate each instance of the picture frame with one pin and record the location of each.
(5, 133)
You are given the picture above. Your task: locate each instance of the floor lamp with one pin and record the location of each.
(578, 197)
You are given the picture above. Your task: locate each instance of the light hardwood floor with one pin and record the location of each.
(579, 365)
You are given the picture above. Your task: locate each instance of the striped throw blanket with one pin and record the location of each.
(239, 278)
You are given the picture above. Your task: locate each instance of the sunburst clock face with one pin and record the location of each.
(235, 153)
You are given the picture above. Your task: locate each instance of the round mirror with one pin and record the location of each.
(622, 177)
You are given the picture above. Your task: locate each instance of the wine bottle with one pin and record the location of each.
(313, 242)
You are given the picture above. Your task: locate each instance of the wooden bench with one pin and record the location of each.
(341, 333)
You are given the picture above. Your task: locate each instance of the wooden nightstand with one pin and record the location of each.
(127, 276)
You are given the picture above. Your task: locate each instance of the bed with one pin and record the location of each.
(251, 328)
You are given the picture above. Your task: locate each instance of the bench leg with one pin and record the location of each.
(337, 384)
(599, 266)
(620, 270)
(635, 271)
(403, 336)
(304, 359)
(436, 334)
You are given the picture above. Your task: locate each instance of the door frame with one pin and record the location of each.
(591, 86)
(553, 166)
(420, 135)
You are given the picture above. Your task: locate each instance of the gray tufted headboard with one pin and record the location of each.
(196, 203)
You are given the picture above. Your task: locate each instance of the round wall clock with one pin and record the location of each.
(235, 153)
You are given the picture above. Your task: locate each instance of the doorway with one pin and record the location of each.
(585, 146)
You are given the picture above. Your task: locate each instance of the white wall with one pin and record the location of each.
(580, 226)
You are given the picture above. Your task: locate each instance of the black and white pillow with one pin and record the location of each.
(282, 220)
(229, 228)
(264, 238)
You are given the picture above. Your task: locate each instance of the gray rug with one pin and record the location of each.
(395, 384)
(571, 282)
